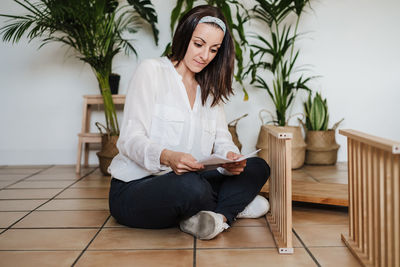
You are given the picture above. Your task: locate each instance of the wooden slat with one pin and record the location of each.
(375, 141)
(370, 197)
(377, 251)
(396, 208)
(350, 175)
(382, 214)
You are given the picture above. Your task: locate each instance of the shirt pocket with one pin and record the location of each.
(208, 136)
(167, 125)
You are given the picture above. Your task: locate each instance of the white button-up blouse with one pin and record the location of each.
(157, 116)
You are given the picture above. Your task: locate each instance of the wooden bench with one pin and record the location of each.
(374, 199)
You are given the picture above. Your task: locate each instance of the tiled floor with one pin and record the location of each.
(51, 217)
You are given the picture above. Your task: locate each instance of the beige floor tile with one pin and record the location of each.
(244, 237)
(20, 205)
(97, 176)
(46, 239)
(67, 169)
(321, 235)
(173, 258)
(26, 166)
(252, 257)
(52, 177)
(334, 256)
(98, 183)
(133, 238)
(240, 237)
(43, 219)
(37, 258)
(76, 204)
(19, 170)
(9, 217)
(28, 193)
(4, 184)
(84, 193)
(329, 216)
(41, 184)
(261, 222)
(12, 177)
(113, 223)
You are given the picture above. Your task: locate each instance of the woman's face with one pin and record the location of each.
(203, 47)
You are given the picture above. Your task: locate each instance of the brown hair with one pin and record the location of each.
(216, 78)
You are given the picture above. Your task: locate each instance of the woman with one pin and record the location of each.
(173, 118)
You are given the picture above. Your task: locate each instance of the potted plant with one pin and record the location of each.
(93, 28)
(276, 53)
(321, 143)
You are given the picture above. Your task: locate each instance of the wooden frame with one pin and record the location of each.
(280, 188)
(85, 137)
(374, 204)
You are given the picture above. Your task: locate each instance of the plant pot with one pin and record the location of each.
(114, 83)
(298, 144)
(321, 148)
(107, 153)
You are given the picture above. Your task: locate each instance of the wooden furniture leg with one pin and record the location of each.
(280, 188)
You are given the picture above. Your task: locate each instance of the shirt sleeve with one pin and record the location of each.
(134, 141)
(223, 139)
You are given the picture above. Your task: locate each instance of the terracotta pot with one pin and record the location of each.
(321, 147)
(107, 153)
(298, 144)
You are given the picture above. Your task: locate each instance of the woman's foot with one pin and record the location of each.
(257, 208)
(204, 225)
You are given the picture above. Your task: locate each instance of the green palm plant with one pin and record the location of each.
(227, 7)
(94, 29)
(277, 54)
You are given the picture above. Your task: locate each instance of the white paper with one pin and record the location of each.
(215, 159)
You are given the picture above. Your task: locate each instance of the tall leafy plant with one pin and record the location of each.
(276, 53)
(235, 24)
(93, 28)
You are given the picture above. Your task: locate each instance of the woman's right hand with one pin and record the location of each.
(180, 162)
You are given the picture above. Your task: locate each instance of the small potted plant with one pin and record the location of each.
(321, 143)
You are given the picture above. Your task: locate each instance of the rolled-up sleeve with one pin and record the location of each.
(134, 141)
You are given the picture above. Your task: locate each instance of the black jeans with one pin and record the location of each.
(163, 201)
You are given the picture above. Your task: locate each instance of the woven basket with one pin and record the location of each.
(298, 145)
(107, 153)
(321, 147)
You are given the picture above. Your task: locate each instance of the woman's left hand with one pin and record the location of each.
(234, 167)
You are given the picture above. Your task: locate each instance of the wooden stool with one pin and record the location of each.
(85, 137)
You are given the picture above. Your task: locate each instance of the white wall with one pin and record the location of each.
(353, 45)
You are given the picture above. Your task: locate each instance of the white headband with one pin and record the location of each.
(215, 20)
